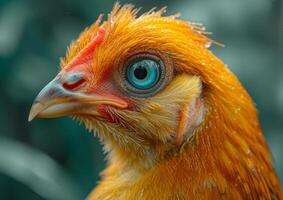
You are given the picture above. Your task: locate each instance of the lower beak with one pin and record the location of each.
(55, 101)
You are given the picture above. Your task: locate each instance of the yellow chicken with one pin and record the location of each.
(176, 123)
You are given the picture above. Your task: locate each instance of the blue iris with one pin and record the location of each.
(143, 74)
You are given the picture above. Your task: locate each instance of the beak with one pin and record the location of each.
(55, 100)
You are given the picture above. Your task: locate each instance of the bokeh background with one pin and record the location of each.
(57, 158)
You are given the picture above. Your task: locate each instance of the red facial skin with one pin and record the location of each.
(86, 54)
(103, 109)
(99, 85)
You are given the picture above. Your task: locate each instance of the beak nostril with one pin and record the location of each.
(74, 84)
(72, 81)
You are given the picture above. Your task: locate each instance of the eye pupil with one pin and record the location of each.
(140, 72)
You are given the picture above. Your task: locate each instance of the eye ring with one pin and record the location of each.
(160, 67)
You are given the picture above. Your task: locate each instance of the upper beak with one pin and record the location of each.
(55, 100)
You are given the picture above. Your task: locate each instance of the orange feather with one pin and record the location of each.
(227, 157)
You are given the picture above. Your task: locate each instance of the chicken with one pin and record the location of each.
(175, 121)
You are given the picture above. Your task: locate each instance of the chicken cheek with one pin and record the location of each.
(190, 117)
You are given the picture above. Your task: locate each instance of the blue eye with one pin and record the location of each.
(143, 74)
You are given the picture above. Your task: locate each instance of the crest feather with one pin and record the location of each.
(121, 16)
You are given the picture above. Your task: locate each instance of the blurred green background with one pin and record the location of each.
(57, 158)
